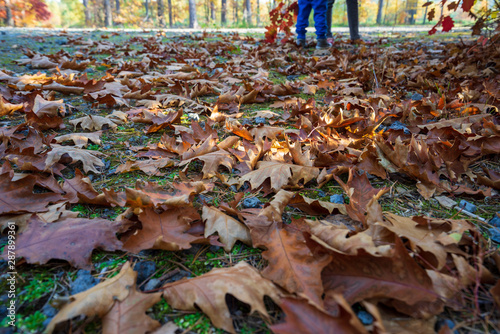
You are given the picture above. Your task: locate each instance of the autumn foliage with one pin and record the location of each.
(386, 127)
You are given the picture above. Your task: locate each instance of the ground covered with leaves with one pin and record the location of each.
(213, 182)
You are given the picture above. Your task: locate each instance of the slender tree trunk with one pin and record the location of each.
(258, 13)
(396, 13)
(193, 23)
(170, 13)
(86, 11)
(236, 17)
(379, 11)
(223, 11)
(9, 19)
(212, 10)
(146, 5)
(117, 6)
(248, 10)
(207, 12)
(108, 18)
(385, 12)
(425, 15)
(161, 14)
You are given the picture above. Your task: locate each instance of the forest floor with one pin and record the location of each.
(357, 160)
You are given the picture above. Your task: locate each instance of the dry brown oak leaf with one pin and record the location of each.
(80, 190)
(150, 167)
(365, 276)
(71, 239)
(211, 162)
(304, 318)
(18, 197)
(165, 230)
(80, 139)
(431, 239)
(129, 315)
(360, 192)
(93, 123)
(43, 107)
(208, 293)
(88, 158)
(152, 195)
(7, 108)
(292, 265)
(280, 174)
(100, 300)
(229, 229)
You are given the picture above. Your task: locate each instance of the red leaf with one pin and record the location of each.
(467, 5)
(448, 23)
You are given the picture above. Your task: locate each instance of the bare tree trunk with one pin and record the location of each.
(396, 13)
(425, 15)
(236, 18)
(258, 13)
(9, 19)
(170, 13)
(385, 12)
(223, 11)
(212, 10)
(161, 14)
(108, 19)
(193, 23)
(146, 5)
(207, 12)
(86, 11)
(248, 10)
(117, 6)
(379, 12)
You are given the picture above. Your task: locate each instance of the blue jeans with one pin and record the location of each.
(305, 7)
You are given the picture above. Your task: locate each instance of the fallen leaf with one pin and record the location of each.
(70, 239)
(208, 293)
(228, 228)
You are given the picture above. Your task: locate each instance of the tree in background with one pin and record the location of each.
(193, 22)
(24, 12)
(379, 11)
(223, 11)
(161, 13)
(108, 16)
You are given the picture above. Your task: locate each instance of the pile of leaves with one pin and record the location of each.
(233, 119)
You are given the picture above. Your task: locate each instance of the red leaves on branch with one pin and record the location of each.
(282, 20)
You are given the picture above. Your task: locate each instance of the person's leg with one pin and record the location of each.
(329, 14)
(319, 7)
(353, 19)
(303, 18)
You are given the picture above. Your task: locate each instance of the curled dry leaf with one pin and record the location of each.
(150, 167)
(280, 175)
(88, 158)
(42, 107)
(292, 265)
(212, 161)
(208, 293)
(80, 139)
(303, 317)
(98, 300)
(15, 194)
(228, 228)
(128, 316)
(7, 108)
(93, 122)
(397, 276)
(80, 190)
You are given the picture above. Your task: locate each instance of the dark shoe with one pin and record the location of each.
(301, 43)
(323, 44)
